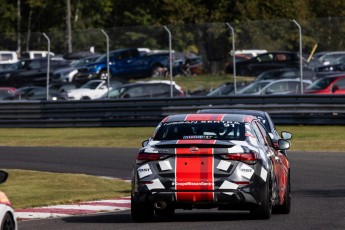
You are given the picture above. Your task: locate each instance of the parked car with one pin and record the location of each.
(264, 62)
(92, 90)
(30, 72)
(67, 74)
(327, 85)
(125, 64)
(33, 54)
(8, 217)
(268, 87)
(148, 89)
(287, 73)
(6, 92)
(36, 93)
(199, 161)
(226, 88)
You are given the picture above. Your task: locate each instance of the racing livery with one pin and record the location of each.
(224, 161)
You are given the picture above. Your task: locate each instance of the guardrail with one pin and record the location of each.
(284, 109)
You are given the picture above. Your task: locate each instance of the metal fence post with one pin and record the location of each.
(48, 65)
(108, 71)
(300, 53)
(233, 55)
(170, 62)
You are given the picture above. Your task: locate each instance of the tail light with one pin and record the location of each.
(4, 199)
(150, 156)
(248, 158)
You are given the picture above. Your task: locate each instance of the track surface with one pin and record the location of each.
(318, 189)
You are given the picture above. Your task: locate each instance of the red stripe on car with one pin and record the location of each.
(204, 117)
(195, 142)
(194, 180)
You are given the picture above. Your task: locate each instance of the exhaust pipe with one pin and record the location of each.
(160, 205)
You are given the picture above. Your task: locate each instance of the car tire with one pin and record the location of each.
(285, 208)
(264, 210)
(8, 222)
(167, 212)
(157, 71)
(103, 75)
(141, 211)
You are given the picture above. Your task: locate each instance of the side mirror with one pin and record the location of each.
(335, 88)
(144, 144)
(3, 176)
(283, 144)
(286, 135)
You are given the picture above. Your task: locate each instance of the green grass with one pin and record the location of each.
(305, 138)
(32, 189)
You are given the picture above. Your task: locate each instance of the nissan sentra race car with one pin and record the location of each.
(224, 161)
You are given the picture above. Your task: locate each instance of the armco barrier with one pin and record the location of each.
(284, 109)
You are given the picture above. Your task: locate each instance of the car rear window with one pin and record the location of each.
(200, 130)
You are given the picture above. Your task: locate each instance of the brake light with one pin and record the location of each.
(248, 158)
(150, 156)
(4, 199)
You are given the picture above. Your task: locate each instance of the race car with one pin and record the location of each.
(224, 161)
(263, 117)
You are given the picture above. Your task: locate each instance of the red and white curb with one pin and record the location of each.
(82, 208)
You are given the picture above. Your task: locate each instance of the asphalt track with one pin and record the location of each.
(318, 189)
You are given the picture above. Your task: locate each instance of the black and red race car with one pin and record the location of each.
(224, 161)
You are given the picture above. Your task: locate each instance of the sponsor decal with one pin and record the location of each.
(235, 149)
(189, 183)
(224, 165)
(144, 171)
(246, 171)
(197, 137)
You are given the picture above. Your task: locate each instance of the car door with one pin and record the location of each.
(279, 161)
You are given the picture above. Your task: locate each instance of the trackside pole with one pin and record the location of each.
(170, 62)
(48, 65)
(233, 55)
(300, 53)
(108, 71)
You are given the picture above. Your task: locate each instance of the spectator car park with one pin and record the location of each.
(225, 161)
(148, 89)
(8, 217)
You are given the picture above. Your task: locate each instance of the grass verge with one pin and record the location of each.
(32, 189)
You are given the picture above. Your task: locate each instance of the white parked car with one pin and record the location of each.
(91, 90)
(8, 217)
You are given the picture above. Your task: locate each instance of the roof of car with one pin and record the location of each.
(209, 117)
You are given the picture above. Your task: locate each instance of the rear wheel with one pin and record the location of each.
(264, 210)
(141, 211)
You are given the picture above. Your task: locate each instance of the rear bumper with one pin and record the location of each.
(232, 199)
